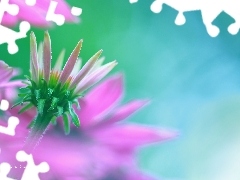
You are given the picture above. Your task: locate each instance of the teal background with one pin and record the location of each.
(192, 79)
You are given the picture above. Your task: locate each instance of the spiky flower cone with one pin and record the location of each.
(52, 91)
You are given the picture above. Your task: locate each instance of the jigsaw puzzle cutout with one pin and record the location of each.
(4, 170)
(7, 35)
(4, 105)
(30, 2)
(12, 9)
(30, 172)
(76, 11)
(59, 19)
(133, 1)
(209, 10)
(12, 121)
(10, 130)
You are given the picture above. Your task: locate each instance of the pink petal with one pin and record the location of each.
(36, 15)
(62, 8)
(70, 63)
(129, 137)
(7, 89)
(46, 56)
(12, 84)
(124, 111)
(84, 159)
(8, 93)
(86, 68)
(94, 77)
(100, 100)
(6, 75)
(5, 71)
(33, 57)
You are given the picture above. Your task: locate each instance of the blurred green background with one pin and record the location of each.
(192, 79)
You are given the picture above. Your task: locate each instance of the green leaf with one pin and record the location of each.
(41, 104)
(75, 119)
(34, 85)
(76, 96)
(50, 91)
(67, 93)
(27, 77)
(66, 124)
(54, 120)
(25, 108)
(25, 82)
(23, 88)
(73, 115)
(54, 103)
(30, 125)
(16, 104)
(27, 97)
(60, 110)
(77, 103)
(62, 94)
(44, 87)
(37, 93)
(57, 89)
(22, 95)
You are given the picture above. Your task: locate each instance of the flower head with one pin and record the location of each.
(36, 15)
(54, 91)
(102, 148)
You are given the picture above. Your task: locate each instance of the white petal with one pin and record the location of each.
(59, 62)
(70, 63)
(95, 76)
(86, 68)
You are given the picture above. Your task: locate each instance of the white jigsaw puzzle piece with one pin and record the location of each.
(31, 171)
(133, 1)
(4, 170)
(9, 36)
(76, 11)
(12, 121)
(30, 2)
(10, 129)
(59, 19)
(4, 105)
(210, 10)
(12, 9)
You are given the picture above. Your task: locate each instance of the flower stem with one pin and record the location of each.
(37, 131)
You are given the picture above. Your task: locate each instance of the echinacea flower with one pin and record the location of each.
(7, 91)
(102, 148)
(52, 91)
(36, 14)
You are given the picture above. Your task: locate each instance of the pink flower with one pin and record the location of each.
(54, 91)
(6, 87)
(102, 148)
(36, 15)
